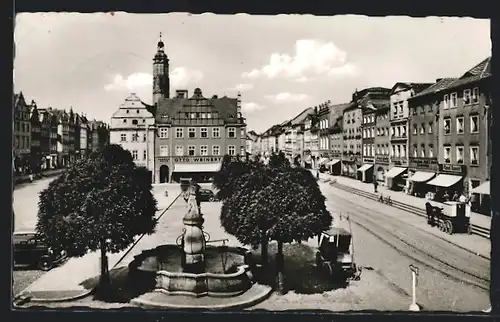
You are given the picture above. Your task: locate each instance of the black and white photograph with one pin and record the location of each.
(251, 162)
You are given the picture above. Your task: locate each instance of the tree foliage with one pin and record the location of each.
(102, 197)
(273, 202)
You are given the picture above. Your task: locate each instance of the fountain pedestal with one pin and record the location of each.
(193, 240)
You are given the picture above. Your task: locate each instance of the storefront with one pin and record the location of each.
(201, 169)
(334, 167)
(320, 164)
(349, 167)
(365, 173)
(395, 178)
(448, 182)
(418, 183)
(481, 203)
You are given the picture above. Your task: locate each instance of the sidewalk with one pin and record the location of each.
(63, 283)
(45, 174)
(476, 218)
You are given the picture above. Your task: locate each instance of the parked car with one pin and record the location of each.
(31, 252)
(207, 195)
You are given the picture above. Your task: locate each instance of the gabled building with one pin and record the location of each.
(295, 136)
(133, 127)
(334, 165)
(323, 133)
(464, 150)
(311, 139)
(399, 125)
(194, 133)
(36, 138)
(22, 133)
(252, 143)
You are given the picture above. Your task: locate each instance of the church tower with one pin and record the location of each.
(161, 80)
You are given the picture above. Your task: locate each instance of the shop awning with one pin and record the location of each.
(444, 180)
(394, 172)
(322, 160)
(201, 167)
(483, 188)
(421, 176)
(332, 162)
(365, 167)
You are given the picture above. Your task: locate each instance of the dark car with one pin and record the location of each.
(207, 195)
(31, 252)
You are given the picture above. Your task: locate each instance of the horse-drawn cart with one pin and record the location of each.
(455, 219)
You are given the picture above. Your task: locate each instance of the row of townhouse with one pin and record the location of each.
(421, 138)
(47, 138)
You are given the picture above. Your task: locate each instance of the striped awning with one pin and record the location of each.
(444, 180)
(422, 176)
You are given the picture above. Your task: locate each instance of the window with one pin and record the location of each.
(203, 150)
(192, 133)
(475, 95)
(460, 125)
(135, 137)
(203, 132)
(365, 150)
(422, 152)
(430, 128)
(179, 150)
(460, 154)
(474, 155)
(242, 150)
(474, 124)
(467, 97)
(193, 115)
(231, 132)
(415, 129)
(128, 111)
(403, 151)
(144, 155)
(123, 137)
(209, 115)
(163, 150)
(216, 132)
(144, 137)
(242, 132)
(422, 128)
(398, 151)
(415, 152)
(431, 152)
(446, 102)
(447, 154)
(231, 150)
(215, 150)
(447, 126)
(179, 133)
(191, 150)
(134, 122)
(163, 132)
(134, 155)
(124, 120)
(453, 100)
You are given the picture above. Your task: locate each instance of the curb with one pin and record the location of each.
(25, 296)
(266, 293)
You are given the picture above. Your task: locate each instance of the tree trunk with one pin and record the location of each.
(104, 280)
(280, 267)
(264, 257)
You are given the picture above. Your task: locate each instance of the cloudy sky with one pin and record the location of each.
(281, 64)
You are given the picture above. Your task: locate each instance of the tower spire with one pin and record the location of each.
(161, 45)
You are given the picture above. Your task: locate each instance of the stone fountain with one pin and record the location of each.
(184, 275)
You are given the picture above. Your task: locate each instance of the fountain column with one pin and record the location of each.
(193, 241)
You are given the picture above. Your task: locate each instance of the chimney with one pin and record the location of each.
(181, 93)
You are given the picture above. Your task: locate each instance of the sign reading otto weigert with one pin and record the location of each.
(191, 159)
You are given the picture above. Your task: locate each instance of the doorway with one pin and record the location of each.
(164, 170)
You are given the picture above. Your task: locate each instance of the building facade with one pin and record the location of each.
(133, 127)
(464, 116)
(22, 133)
(323, 133)
(368, 132)
(195, 133)
(423, 137)
(36, 139)
(382, 144)
(351, 152)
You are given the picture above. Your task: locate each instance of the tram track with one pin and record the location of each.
(402, 237)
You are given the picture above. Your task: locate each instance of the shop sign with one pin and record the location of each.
(190, 159)
(381, 159)
(424, 163)
(452, 168)
(368, 160)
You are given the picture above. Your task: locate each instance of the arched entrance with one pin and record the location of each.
(164, 173)
(380, 174)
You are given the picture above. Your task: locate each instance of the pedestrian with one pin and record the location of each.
(317, 175)
(446, 196)
(455, 196)
(375, 184)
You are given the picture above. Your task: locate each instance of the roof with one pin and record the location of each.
(476, 73)
(338, 110)
(225, 106)
(302, 116)
(417, 87)
(436, 87)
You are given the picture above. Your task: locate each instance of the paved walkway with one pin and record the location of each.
(476, 218)
(64, 282)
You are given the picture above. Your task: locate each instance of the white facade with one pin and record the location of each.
(83, 137)
(133, 127)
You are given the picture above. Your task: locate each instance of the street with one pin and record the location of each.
(389, 240)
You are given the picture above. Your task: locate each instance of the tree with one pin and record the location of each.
(275, 202)
(99, 203)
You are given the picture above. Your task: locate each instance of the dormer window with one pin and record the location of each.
(128, 111)
(137, 111)
(124, 120)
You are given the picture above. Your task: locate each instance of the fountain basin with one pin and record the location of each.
(228, 272)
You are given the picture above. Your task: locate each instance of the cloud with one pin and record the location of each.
(304, 79)
(251, 107)
(242, 87)
(287, 97)
(179, 77)
(311, 57)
